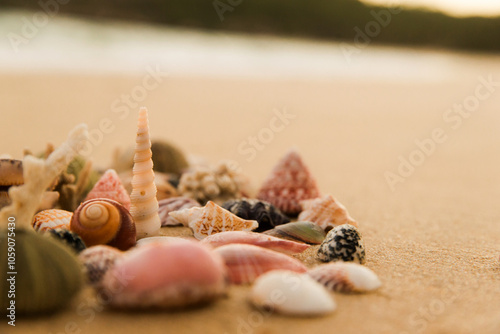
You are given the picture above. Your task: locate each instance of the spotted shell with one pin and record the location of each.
(109, 186)
(343, 243)
(174, 204)
(325, 212)
(97, 260)
(103, 221)
(68, 238)
(51, 219)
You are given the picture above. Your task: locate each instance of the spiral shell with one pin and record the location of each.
(51, 219)
(343, 243)
(103, 221)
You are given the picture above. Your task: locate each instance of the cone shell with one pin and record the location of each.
(165, 275)
(97, 260)
(51, 219)
(289, 183)
(109, 186)
(256, 239)
(266, 214)
(144, 207)
(307, 232)
(346, 277)
(247, 262)
(343, 243)
(212, 219)
(292, 294)
(174, 204)
(326, 212)
(103, 221)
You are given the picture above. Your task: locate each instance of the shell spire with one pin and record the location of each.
(144, 207)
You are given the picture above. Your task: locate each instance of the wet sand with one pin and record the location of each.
(432, 238)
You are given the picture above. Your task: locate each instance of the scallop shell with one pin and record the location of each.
(68, 238)
(292, 294)
(257, 239)
(164, 275)
(289, 183)
(174, 204)
(103, 221)
(307, 232)
(212, 219)
(97, 260)
(346, 277)
(51, 219)
(247, 262)
(266, 214)
(109, 186)
(326, 212)
(144, 207)
(343, 243)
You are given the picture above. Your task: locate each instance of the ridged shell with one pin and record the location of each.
(103, 221)
(256, 239)
(11, 172)
(163, 182)
(266, 214)
(289, 183)
(212, 219)
(97, 260)
(343, 243)
(109, 186)
(68, 238)
(247, 262)
(346, 277)
(292, 294)
(174, 204)
(326, 212)
(307, 232)
(51, 219)
(164, 275)
(144, 207)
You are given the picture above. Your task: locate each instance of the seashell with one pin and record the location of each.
(97, 260)
(164, 275)
(149, 240)
(346, 277)
(257, 239)
(343, 243)
(247, 262)
(69, 238)
(163, 182)
(212, 219)
(292, 294)
(325, 212)
(144, 207)
(11, 172)
(266, 214)
(102, 221)
(289, 183)
(51, 219)
(174, 204)
(109, 186)
(307, 232)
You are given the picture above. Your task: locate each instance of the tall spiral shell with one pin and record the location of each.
(144, 207)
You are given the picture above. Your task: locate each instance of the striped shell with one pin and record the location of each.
(346, 277)
(109, 186)
(174, 204)
(325, 212)
(343, 243)
(97, 260)
(51, 219)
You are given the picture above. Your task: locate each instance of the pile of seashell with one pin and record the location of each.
(120, 237)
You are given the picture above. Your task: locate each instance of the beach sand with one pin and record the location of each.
(433, 239)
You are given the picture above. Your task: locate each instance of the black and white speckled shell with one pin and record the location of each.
(265, 213)
(69, 238)
(343, 243)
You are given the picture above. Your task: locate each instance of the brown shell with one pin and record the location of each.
(11, 172)
(103, 221)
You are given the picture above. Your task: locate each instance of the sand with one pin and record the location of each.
(432, 239)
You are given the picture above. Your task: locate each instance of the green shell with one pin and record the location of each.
(167, 158)
(48, 274)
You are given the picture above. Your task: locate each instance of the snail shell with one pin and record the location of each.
(103, 221)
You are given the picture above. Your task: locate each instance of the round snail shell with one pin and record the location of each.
(103, 221)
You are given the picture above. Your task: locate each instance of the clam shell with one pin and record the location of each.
(51, 219)
(289, 183)
(97, 260)
(103, 221)
(164, 275)
(11, 172)
(256, 239)
(326, 212)
(346, 277)
(109, 186)
(266, 214)
(343, 243)
(307, 232)
(247, 262)
(174, 204)
(212, 219)
(291, 294)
